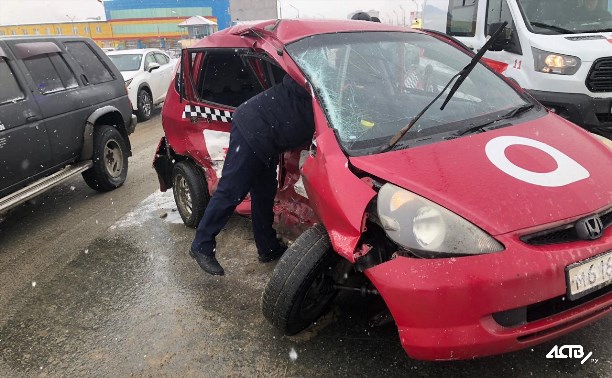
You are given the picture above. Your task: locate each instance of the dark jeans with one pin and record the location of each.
(243, 172)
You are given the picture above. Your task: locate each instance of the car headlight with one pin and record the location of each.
(607, 142)
(128, 82)
(559, 64)
(428, 229)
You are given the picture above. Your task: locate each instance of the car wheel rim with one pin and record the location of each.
(320, 292)
(113, 158)
(183, 194)
(145, 104)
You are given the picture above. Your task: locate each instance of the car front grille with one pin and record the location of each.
(565, 233)
(600, 76)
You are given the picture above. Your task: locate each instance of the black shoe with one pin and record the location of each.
(209, 264)
(272, 255)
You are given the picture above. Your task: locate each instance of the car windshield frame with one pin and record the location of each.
(333, 107)
(555, 26)
(129, 68)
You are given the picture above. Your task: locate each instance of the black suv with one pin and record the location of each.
(64, 110)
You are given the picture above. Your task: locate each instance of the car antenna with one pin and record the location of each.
(466, 71)
(461, 77)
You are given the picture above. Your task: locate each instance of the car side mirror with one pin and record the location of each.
(503, 40)
(152, 66)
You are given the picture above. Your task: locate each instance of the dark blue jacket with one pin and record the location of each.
(276, 120)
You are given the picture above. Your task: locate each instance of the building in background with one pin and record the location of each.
(97, 30)
(136, 23)
(252, 10)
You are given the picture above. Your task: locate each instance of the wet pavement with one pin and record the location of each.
(114, 293)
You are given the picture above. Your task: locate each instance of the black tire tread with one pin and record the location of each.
(199, 191)
(139, 113)
(292, 272)
(96, 177)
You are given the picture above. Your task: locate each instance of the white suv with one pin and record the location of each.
(147, 74)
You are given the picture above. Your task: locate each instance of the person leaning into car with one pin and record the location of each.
(272, 122)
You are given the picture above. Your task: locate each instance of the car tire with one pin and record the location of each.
(301, 288)
(190, 192)
(110, 160)
(145, 105)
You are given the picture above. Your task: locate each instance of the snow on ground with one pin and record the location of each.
(154, 206)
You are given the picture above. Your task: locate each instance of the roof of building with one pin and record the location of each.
(196, 21)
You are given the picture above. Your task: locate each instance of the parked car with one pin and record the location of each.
(64, 110)
(147, 74)
(486, 227)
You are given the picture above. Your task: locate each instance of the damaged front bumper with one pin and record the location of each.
(460, 308)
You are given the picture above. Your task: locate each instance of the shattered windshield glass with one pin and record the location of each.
(566, 16)
(371, 84)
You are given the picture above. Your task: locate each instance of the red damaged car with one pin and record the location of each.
(485, 226)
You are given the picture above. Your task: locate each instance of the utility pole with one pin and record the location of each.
(72, 24)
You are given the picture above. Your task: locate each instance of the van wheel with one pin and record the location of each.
(302, 285)
(110, 160)
(145, 105)
(190, 192)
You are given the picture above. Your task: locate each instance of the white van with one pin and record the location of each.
(559, 50)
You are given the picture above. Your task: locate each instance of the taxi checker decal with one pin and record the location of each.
(206, 112)
(568, 170)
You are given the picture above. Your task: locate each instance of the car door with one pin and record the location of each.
(217, 81)
(25, 151)
(57, 94)
(165, 73)
(154, 77)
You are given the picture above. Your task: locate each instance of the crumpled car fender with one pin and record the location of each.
(338, 197)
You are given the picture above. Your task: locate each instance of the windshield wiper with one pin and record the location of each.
(460, 78)
(552, 27)
(511, 114)
(467, 69)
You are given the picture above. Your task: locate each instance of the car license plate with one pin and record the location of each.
(586, 276)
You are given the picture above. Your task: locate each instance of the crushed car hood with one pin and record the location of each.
(461, 176)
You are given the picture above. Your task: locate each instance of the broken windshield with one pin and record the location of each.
(371, 84)
(567, 16)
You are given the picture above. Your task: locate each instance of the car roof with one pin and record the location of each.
(133, 51)
(287, 31)
(42, 38)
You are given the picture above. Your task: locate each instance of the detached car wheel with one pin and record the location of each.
(190, 192)
(110, 160)
(302, 285)
(145, 105)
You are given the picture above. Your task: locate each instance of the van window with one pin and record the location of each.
(9, 90)
(462, 18)
(498, 12)
(90, 62)
(50, 73)
(226, 80)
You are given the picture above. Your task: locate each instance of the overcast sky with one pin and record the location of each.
(35, 11)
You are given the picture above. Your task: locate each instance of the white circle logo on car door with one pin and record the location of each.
(568, 170)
